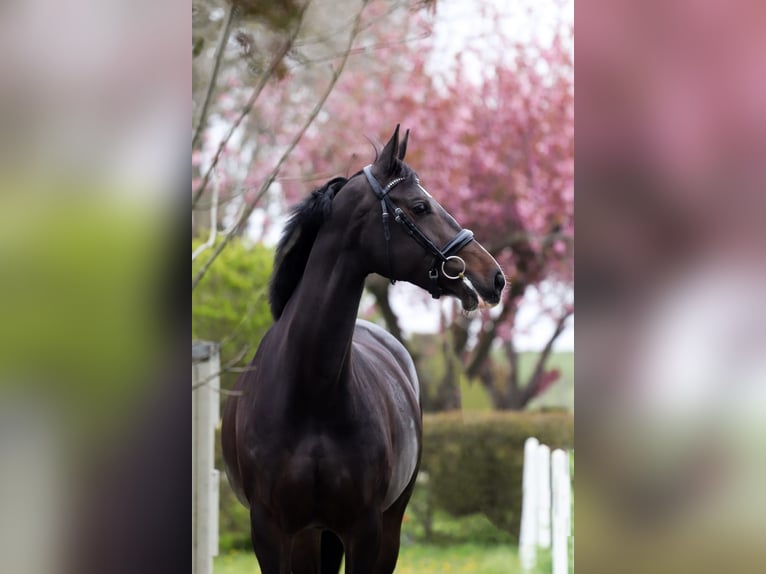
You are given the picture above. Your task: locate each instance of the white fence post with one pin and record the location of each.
(546, 506)
(528, 532)
(543, 473)
(562, 500)
(205, 482)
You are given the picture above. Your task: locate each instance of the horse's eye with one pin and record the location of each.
(420, 208)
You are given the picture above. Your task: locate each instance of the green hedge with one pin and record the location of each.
(474, 461)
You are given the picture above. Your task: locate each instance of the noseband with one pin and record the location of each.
(441, 256)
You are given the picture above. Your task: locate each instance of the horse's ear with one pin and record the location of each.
(387, 159)
(403, 146)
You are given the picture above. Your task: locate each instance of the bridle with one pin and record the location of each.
(441, 256)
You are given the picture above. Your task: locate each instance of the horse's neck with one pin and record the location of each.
(321, 316)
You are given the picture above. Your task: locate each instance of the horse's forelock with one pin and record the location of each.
(296, 242)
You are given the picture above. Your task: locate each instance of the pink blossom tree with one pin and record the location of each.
(498, 153)
(496, 150)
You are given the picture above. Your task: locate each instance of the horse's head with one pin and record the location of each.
(404, 234)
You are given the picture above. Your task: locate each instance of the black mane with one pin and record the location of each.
(296, 243)
(299, 234)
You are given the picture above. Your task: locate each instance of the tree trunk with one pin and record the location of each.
(510, 394)
(483, 347)
(379, 287)
(449, 389)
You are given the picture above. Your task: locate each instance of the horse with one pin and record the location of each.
(322, 437)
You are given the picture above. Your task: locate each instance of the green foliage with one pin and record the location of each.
(81, 282)
(474, 461)
(425, 524)
(230, 304)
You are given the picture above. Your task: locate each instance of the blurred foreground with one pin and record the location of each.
(671, 336)
(92, 147)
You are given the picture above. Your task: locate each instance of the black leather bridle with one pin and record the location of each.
(441, 256)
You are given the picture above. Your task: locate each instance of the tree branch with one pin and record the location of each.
(250, 104)
(275, 171)
(513, 362)
(362, 50)
(517, 237)
(459, 328)
(214, 76)
(379, 286)
(487, 336)
(533, 385)
(487, 379)
(213, 227)
(229, 366)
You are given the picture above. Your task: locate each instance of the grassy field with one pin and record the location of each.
(416, 559)
(464, 545)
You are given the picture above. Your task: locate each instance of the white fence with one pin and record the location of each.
(205, 478)
(546, 510)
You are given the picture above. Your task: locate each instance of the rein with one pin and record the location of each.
(441, 256)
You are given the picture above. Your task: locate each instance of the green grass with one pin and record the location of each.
(418, 559)
(470, 544)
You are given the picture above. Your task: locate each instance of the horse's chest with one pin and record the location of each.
(311, 465)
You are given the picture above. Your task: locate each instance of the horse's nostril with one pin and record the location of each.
(499, 281)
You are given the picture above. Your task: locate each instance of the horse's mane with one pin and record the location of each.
(296, 242)
(299, 235)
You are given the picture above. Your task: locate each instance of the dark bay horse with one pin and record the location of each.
(324, 443)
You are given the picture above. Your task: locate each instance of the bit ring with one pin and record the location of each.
(460, 275)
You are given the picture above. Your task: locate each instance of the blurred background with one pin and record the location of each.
(288, 95)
